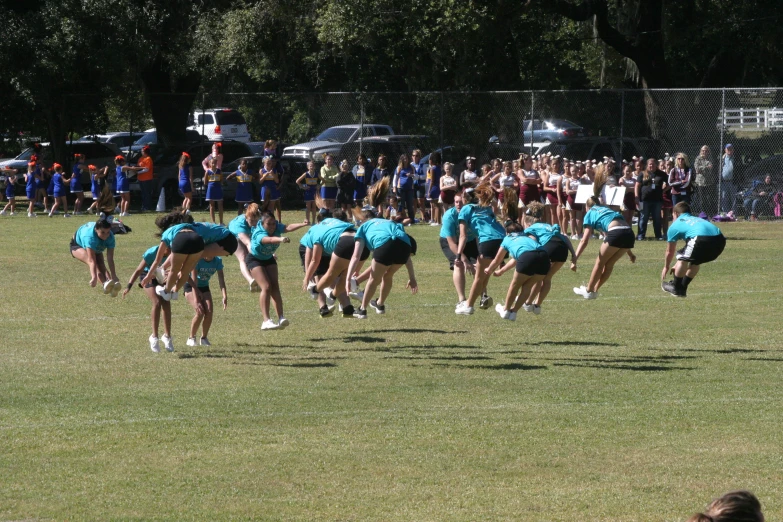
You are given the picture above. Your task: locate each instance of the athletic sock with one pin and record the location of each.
(678, 286)
(686, 281)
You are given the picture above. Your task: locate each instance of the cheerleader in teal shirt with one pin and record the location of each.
(88, 244)
(391, 249)
(159, 305)
(619, 239)
(261, 262)
(242, 227)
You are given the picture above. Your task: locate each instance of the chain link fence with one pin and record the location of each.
(577, 125)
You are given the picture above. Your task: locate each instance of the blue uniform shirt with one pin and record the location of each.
(264, 251)
(517, 244)
(600, 217)
(239, 225)
(450, 226)
(482, 221)
(327, 233)
(206, 269)
(377, 232)
(545, 232)
(687, 227)
(149, 257)
(87, 238)
(405, 178)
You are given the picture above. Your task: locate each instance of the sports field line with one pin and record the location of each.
(78, 423)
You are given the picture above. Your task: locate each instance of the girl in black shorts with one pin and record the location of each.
(159, 305)
(618, 241)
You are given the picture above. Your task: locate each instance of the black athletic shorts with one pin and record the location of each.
(394, 252)
(345, 247)
(557, 250)
(74, 246)
(702, 249)
(323, 266)
(152, 284)
(229, 243)
(204, 289)
(471, 251)
(620, 237)
(489, 249)
(187, 241)
(533, 263)
(251, 261)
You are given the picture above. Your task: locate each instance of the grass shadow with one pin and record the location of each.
(306, 365)
(506, 366)
(629, 367)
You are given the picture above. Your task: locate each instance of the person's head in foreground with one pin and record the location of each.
(735, 506)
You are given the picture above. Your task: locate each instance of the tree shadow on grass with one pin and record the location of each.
(440, 358)
(618, 366)
(763, 359)
(562, 343)
(506, 366)
(742, 238)
(306, 365)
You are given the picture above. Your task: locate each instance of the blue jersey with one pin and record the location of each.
(377, 232)
(517, 244)
(30, 181)
(261, 250)
(450, 226)
(209, 232)
(405, 178)
(545, 232)
(482, 221)
(149, 257)
(600, 217)
(687, 227)
(327, 233)
(119, 175)
(76, 178)
(206, 269)
(239, 225)
(87, 238)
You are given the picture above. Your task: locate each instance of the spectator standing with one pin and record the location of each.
(680, 179)
(433, 188)
(361, 173)
(728, 193)
(649, 199)
(703, 169)
(146, 180)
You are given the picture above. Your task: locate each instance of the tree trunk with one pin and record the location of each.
(171, 100)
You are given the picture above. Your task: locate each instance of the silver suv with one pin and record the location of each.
(335, 141)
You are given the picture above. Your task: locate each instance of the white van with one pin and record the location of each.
(220, 124)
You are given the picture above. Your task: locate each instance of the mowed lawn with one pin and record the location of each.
(635, 406)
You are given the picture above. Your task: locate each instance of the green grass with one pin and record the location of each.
(636, 406)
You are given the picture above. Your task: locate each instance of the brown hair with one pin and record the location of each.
(252, 210)
(734, 506)
(601, 175)
(511, 204)
(175, 217)
(534, 213)
(106, 199)
(683, 207)
(484, 193)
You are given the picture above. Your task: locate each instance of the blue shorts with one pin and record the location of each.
(184, 187)
(269, 191)
(60, 192)
(123, 186)
(329, 192)
(244, 193)
(309, 195)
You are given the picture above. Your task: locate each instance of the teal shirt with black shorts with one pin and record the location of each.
(687, 226)
(376, 232)
(517, 244)
(482, 221)
(239, 225)
(600, 217)
(704, 242)
(206, 269)
(265, 251)
(86, 237)
(450, 226)
(327, 233)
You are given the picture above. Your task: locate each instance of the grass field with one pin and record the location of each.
(635, 406)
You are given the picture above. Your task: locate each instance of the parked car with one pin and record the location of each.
(598, 147)
(551, 130)
(98, 154)
(122, 140)
(150, 137)
(334, 140)
(220, 124)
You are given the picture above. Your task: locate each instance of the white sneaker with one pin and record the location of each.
(354, 285)
(329, 293)
(174, 296)
(537, 309)
(312, 293)
(501, 310)
(51, 215)
(160, 274)
(167, 343)
(512, 316)
(154, 344)
(161, 291)
(108, 286)
(66, 215)
(269, 325)
(433, 224)
(575, 237)
(358, 295)
(191, 341)
(12, 214)
(464, 309)
(2, 212)
(591, 295)
(528, 308)
(205, 342)
(282, 322)
(580, 290)
(115, 291)
(32, 214)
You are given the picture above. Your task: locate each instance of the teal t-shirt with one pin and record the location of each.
(450, 226)
(327, 233)
(517, 244)
(600, 217)
(687, 227)
(87, 238)
(149, 257)
(377, 232)
(307, 238)
(209, 232)
(261, 250)
(206, 269)
(482, 221)
(239, 225)
(544, 232)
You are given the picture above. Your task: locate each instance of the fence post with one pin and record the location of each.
(280, 116)
(361, 123)
(532, 121)
(203, 108)
(622, 129)
(441, 122)
(722, 138)
(130, 124)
